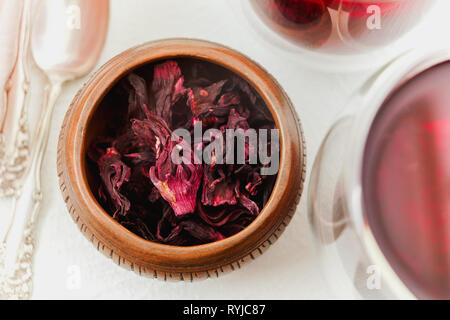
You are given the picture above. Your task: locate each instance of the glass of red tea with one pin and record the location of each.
(336, 29)
(380, 187)
(341, 26)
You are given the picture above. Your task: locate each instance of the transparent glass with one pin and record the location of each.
(341, 34)
(355, 263)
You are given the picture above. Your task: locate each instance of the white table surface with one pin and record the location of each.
(288, 270)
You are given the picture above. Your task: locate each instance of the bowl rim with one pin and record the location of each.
(93, 92)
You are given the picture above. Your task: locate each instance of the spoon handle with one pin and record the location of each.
(16, 271)
(14, 145)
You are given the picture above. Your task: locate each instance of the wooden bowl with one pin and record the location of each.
(166, 261)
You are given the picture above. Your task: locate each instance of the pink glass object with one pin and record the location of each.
(406, 182)
(341, 26)
(379, 189)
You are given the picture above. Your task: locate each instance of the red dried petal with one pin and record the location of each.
(201, 231)
(217, 191)
(139, 227)
(152, 132)
(222, 217)
(167, 87)
(228, 99)
(141, 158)
(114, 173)
(238, 225)
(178, 188)
(252, 176)
(236, 121)
(246, 202)
(138, 100)
(259, 111)
(200, 99)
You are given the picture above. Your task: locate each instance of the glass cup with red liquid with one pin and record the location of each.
(379, 194)
(339, 27)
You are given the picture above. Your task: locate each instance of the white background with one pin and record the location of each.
(288, 270)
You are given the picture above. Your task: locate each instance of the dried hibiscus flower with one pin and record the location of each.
(177, 184)
(114, 173)
(167, 88)
(187, 202)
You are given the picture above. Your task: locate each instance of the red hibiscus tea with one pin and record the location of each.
(341, 26)
(174, 159)
(406, 182)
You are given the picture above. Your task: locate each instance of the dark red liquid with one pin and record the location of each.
(406, 182)
(340, 25)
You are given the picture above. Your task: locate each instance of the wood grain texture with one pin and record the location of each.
(171, 262)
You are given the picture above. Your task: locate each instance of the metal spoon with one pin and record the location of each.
(67, 39)
(14, 80)
(10, 14)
